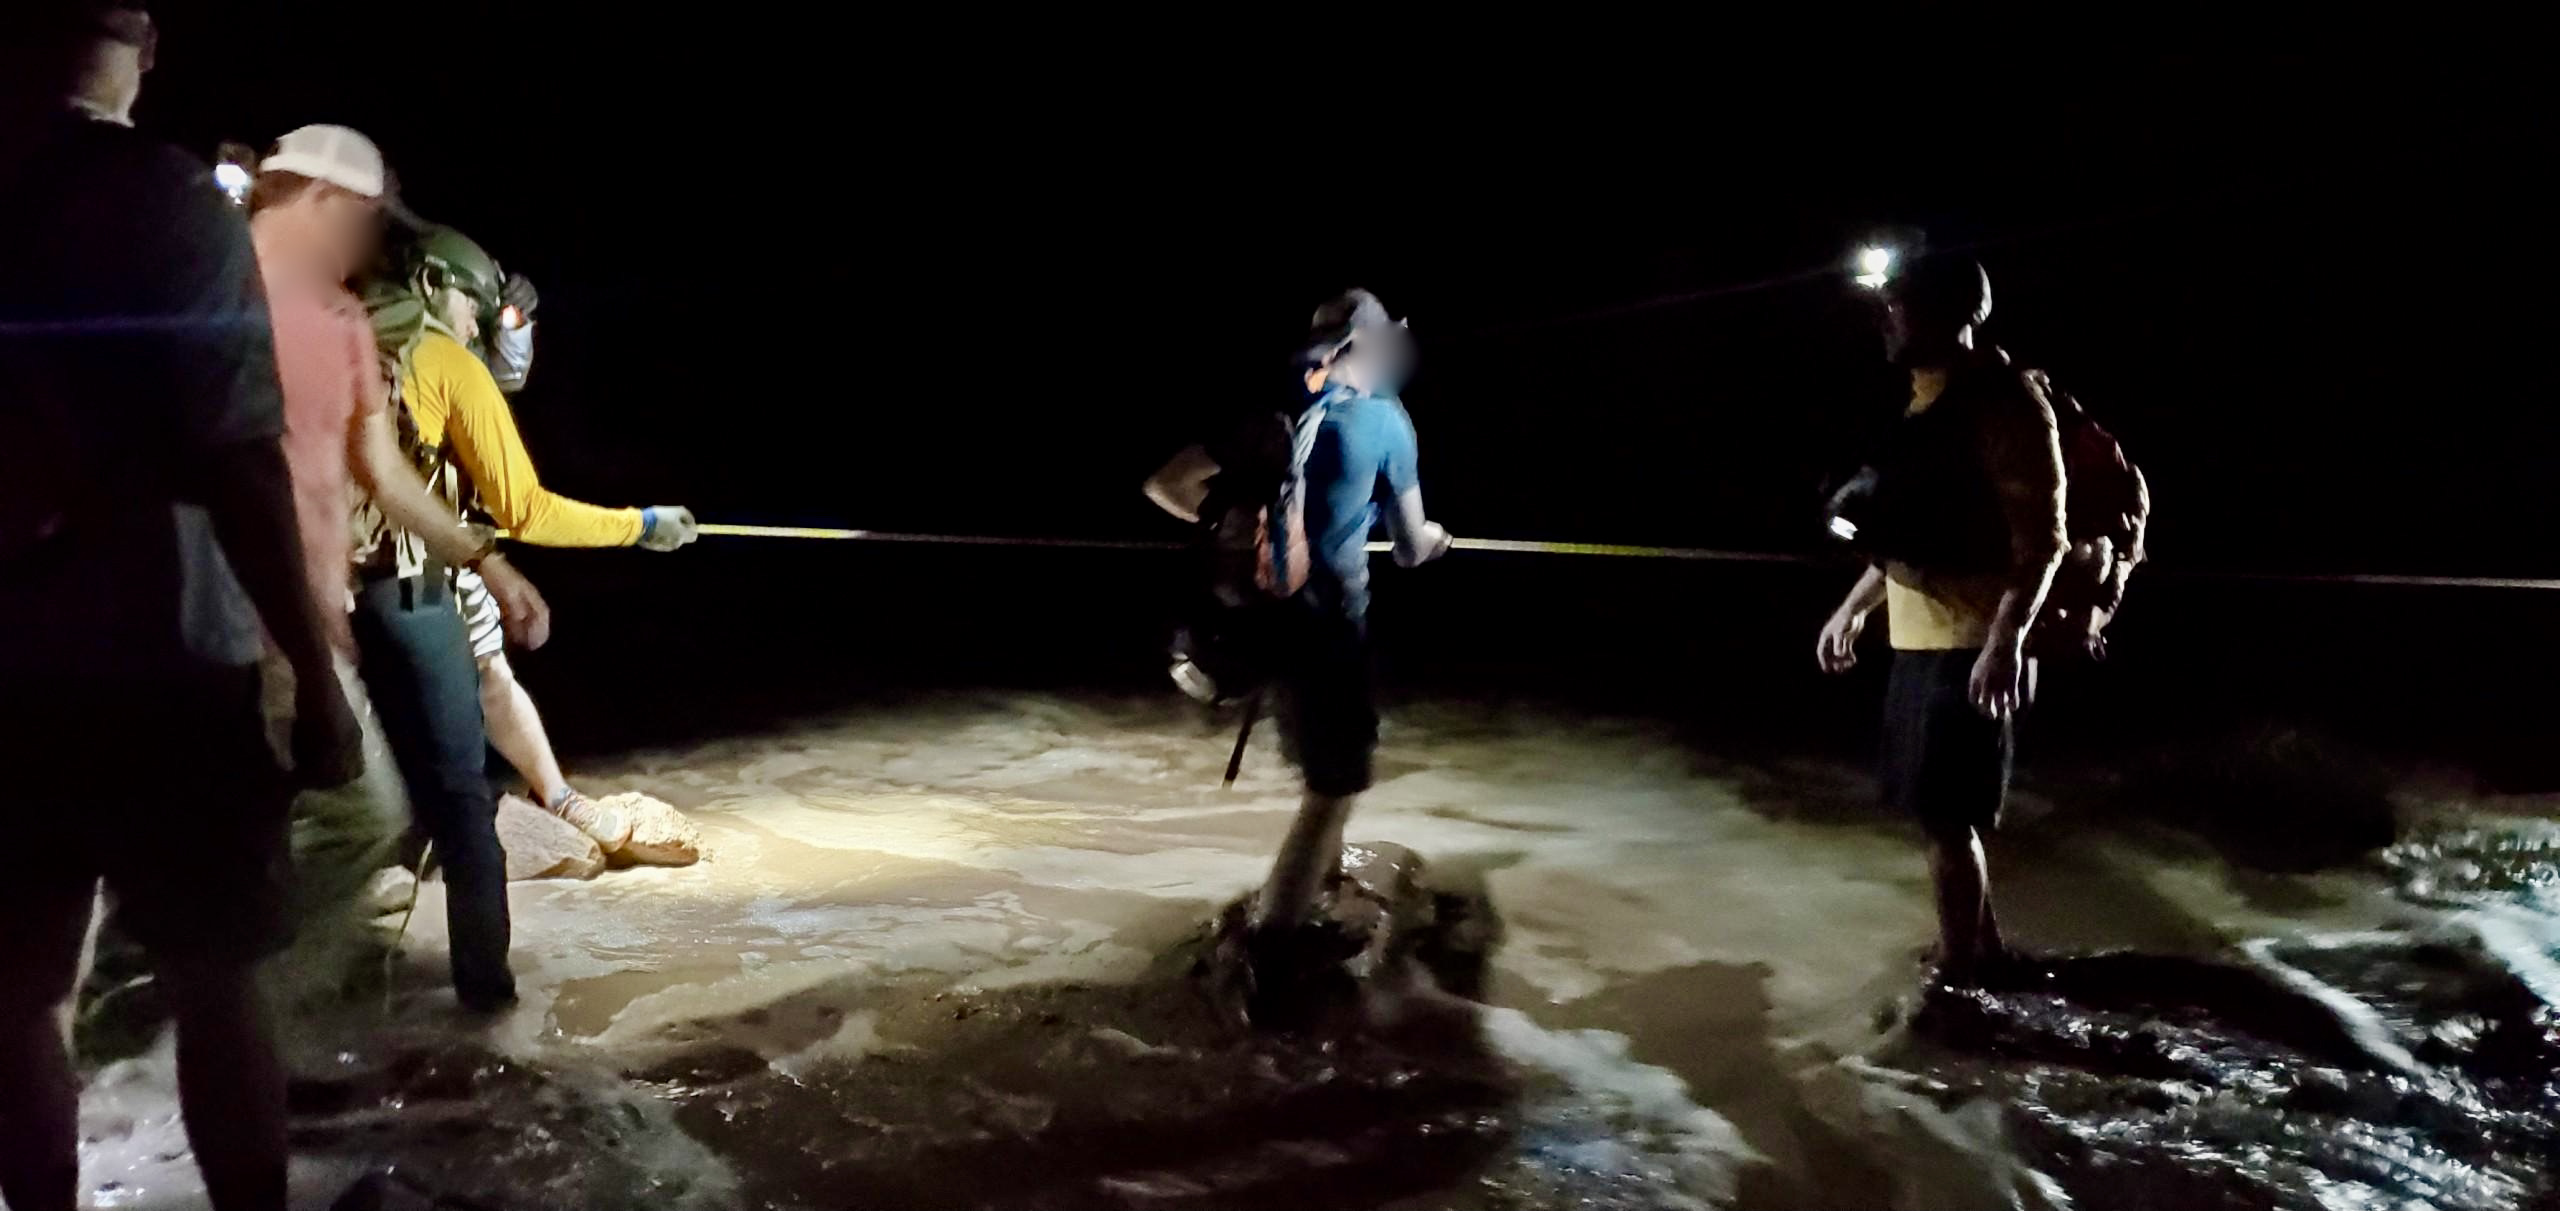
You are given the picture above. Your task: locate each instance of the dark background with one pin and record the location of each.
(821, 267)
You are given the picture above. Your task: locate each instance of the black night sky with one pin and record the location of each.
(978, 275)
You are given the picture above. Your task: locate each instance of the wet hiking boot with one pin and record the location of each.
(1296, 975)
(610, 828)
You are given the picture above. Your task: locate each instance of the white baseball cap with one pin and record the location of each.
(334, 154)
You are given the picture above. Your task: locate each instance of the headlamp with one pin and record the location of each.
(234, 166)
(1875, 266)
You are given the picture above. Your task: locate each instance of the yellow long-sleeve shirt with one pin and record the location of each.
(450, 394)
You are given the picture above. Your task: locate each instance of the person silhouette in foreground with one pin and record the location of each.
(149, 552)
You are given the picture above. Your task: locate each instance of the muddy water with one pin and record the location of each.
(948, 955)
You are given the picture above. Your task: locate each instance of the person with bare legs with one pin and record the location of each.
(1969, 506)
(504, 341)
(1351, 449)
(446, 316)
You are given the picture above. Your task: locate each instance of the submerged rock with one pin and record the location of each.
(2381, 1070)
(543, 846)
(1383, 936)
(660, 835)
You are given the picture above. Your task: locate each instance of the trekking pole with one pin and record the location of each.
(1235, 760)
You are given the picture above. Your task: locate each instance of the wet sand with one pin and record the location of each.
(938, 956)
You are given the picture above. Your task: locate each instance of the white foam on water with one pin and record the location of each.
(1705, 1150)
(858, 1037)
(986, 841)
(1934, 1156)
(134, 1154)
(2371, 1033)
(2524, 940)
(647, 1017)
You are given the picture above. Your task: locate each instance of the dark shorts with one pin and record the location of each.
(169, 792)
(1944, 763)
(1328, 716)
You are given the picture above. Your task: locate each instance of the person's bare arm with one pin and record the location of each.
(2022, 447)
(379, 468)
(374, 457)
(1866, 595)
(192, 274)
(1837, 650)
(1418, 539)
(1181, 486)
(247, 489)
(2137, 545)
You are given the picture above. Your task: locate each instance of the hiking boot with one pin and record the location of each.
(609, 826)
(1295, 974)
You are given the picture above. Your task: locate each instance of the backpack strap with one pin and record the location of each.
(1291, 503)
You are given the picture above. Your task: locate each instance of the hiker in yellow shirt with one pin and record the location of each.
(463, 432)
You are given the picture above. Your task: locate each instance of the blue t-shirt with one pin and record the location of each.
(1364, 455)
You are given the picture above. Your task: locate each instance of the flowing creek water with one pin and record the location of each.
(950, 954)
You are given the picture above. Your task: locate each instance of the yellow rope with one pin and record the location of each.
(1604, 549)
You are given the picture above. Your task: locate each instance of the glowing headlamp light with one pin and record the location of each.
(1875, 267)
(233, 166)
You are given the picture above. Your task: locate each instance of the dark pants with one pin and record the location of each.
(417, 666)
(169, 791)
(1944, 762)
(1328, 709)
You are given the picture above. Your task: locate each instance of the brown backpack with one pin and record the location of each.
(2107, 513)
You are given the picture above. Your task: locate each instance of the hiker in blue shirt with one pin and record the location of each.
(1360, 467)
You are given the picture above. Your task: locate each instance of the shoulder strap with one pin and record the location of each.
(1285, 535)
(1302, 436)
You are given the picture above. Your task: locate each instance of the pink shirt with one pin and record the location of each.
(325, 360)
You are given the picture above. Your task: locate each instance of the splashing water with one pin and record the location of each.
(943, 955)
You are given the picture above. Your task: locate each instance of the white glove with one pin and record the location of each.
(667, 527)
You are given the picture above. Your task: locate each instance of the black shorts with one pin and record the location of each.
(1328, 715)
(1944, 762)
(170, 793)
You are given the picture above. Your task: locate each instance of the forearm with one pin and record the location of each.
(2037, 547)
(2022, 446)
(247, 488)
(1181, 486)
(547, 519)
(1865, 595)
(2023, 599)
(404, 498)
(1409, 524)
